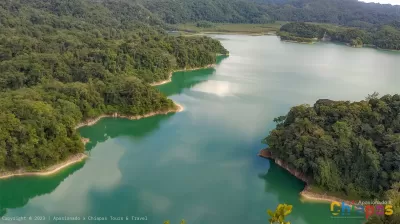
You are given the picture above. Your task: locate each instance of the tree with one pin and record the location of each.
(279, 215)
(182, 222)
(341, 146)
(62, 63)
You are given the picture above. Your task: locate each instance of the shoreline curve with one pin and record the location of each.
(162, 82)
(305, 193)
(90, 122)
(81, 156)
(48, 171)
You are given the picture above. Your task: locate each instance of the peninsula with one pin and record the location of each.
(340, 146)
(56, 78)
(81, 156)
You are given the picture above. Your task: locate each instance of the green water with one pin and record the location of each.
(201, 164)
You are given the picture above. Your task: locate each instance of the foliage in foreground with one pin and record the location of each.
(279, 215)
(182, 222)
(393, 195)
(348, 147)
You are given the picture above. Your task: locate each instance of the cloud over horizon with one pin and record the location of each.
(393, 2)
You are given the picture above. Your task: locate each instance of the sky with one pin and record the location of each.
(393, 2)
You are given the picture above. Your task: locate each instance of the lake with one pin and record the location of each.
(201, 164)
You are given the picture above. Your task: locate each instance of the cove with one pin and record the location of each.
(201, 164)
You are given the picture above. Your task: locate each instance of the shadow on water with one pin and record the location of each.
(16, 192)
(114, 127)
(187, 79)
(288, 193)
(273, 184)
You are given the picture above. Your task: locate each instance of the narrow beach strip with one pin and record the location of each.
(314, 197)
(90, 122)
(81, 156)
(48, 171)
(179, 70)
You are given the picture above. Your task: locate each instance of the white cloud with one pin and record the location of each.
(99, 174)
(393, 2)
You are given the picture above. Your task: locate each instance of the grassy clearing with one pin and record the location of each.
(240, 28)
(255, 29)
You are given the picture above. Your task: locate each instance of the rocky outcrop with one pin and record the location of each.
(265, 153)
(85, 140)
(307, 192)
(294, 172)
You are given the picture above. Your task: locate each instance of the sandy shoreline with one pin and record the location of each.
(90, 122)
(81, 156)
(306, 193)
(311, 196)
(179, 70)
(48, 171)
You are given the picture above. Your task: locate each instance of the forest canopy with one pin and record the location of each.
(349, 147)
(385, 36)
(62, 62)
(343, 12)
(360, 23)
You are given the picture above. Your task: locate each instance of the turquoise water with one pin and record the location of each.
(201, 164)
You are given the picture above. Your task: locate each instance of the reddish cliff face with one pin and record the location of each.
(294, 172)
(265, 153)
(307, 193)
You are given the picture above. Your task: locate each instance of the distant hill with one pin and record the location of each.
(343, 12)
(232, 11)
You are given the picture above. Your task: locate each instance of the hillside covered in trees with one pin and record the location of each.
(385, 36)
(350, 147)
(62, 62)
(371, 23)
(344, 12)
(218, 11)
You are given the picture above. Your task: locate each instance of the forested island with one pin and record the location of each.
(346, 149)
(65, 62)
(384, 37)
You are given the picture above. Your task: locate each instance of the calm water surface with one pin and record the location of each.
(201, 164)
